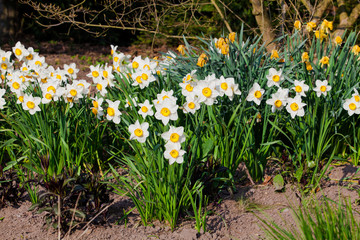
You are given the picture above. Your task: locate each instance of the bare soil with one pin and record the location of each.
(234, 217)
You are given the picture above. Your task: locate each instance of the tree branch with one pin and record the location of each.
(320, 9)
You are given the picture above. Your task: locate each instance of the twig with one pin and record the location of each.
(73, 216)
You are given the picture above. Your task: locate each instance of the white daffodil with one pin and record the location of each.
(139, 131)
(74, 91)
(145, 109)
(356, 95)
(101, 85)
(131, 101)
(142, 78)
(6, 65)
(174, 154)
(166, 111)
(106, 73)
(137, 63)
(113, 49)
(31, 104)
(38, 61)
(2, 100)
(164, 95)
(113, 113)
(47, 97)
(274, 77)
(300, 88)
(278, 100)
(175, 135)
(322, 87)
(190, 77)
(71, 70)
(352, 106)
(187, 88)
(206, 91)
(191, 105)
(94, 72)
(255, 94)
(84, 86)
(20, 51)
(228, 87)
(295, 107)
(97, 110)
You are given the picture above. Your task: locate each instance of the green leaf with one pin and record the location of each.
(278, 182)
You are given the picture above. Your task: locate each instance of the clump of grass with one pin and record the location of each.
(318, 220)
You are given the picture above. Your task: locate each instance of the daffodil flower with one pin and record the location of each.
(112, 111)
(322, 87)
(228, 87)
(31, 104)
(2, 100)
(166, 111)
(175, 136)
(278, 100)
(352, 106)
(139, 131)
(274, 77)
(300, 88)
(146, 109)
(255, 94)
(191, 105)
(174, 154)
(295, 107)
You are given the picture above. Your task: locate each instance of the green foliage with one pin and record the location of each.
(321, 219)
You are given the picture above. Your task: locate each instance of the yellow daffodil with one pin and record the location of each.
(297, 25)
(181, 49)
(324, 61)
(355, 49)
(274, 54)
(232, 36)
(338, 40)
(310, 26)
(305, 57)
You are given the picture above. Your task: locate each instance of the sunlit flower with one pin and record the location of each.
(96, 109)
(326, 26)
(278, 100)
(174, 154)
(2, 100)
(84, 86)
(202, 60)
(300, 88)
(320, 34)
(338, 40)
(356, 95)
(225, 49)
(190, 77)
(305, 57)
(206, 91)
(146, 109)
(295, 107)
(71, 70)
(20, 51)
(164, 95)
(74, 91)
(228, 87)
(352, 106)
(131, 102)
(324, 61)
(187, 88)
(355, 49)
(139, 131)
(175, 136)
(308, 66)
(181, 49)
(297, 25)
(274, 54)
(101, 85)
(31, 104)
(274, 77)
(113, 49)
(310, 26)
(255, 94)
(113, 113)
(166, 111)
(232, 36)
(322, 87)
(191, 105)
(94, 72)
